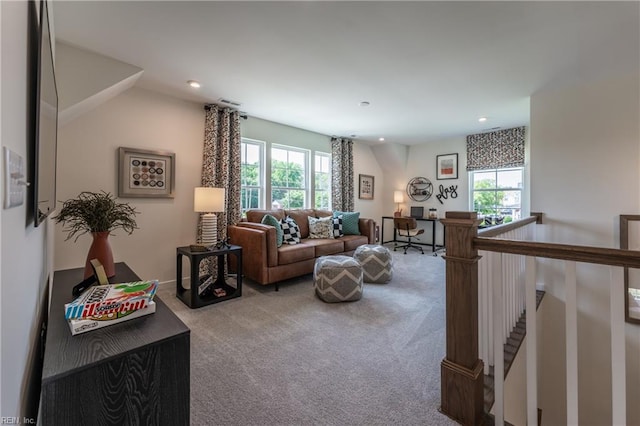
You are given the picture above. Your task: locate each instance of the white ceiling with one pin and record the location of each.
(429, 69)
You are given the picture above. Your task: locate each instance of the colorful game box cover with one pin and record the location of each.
(113, 298)
(83, 325)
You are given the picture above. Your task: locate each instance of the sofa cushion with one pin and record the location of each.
(349, 222)
(290, 231)
(323, 213)
(257, 215)
(325, 247)
(268, 219)
(300, 216)
(288, 254)
(352, 242)
(337, 226)
(320, 227)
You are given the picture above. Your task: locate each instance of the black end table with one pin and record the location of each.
(190, 296)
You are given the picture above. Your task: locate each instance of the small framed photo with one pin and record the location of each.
(447, 166)
(365, 189)
(146, 173)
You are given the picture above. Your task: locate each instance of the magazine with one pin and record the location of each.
(79, 326)
(112, 298)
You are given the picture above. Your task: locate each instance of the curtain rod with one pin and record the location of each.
(242, 114)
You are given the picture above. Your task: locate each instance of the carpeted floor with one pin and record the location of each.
(287, 358)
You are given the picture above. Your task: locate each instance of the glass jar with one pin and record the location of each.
(433, 213)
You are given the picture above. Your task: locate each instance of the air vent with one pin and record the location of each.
(229, 102)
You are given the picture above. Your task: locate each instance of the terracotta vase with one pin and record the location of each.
(100, 249)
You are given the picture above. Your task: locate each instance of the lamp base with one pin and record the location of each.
(209, 229)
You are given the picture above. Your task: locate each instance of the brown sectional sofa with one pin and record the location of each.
(265, 263)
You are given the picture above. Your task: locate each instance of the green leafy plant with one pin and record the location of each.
(95, 212)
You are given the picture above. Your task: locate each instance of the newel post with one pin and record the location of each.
(462, 372)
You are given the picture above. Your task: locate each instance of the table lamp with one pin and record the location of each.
(208, 201)
(397, 198)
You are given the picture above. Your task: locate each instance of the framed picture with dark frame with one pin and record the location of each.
(631, 293)
(145, 173)
(447, 166)
(365, 188)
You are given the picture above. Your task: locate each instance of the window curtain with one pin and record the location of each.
(342, 174)
(496, 150)
(221, 168)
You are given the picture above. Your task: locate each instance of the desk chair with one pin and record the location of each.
(407, 227)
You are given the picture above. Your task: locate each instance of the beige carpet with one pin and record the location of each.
(287, 358)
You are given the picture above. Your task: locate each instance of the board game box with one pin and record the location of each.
(113, 298)
(79, 326)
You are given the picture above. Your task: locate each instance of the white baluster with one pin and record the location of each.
(571, 325)
(532, 342)
(498, 349)
(618, 360)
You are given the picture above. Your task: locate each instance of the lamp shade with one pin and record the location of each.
(208, 200)
(397, 196)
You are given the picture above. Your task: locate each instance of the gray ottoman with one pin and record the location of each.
(337, 279)
(377, 263)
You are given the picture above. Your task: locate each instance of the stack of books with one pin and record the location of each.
(104, 305)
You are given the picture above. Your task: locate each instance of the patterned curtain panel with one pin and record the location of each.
(221, 161)
(342, 174)
(221, 167)
(496, 150)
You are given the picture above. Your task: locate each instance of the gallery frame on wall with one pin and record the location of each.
(631, 295)
(145, 173)
(447, 166)
(365, 187)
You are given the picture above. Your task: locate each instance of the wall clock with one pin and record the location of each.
(419, 189)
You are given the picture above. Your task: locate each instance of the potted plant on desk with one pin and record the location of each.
(97, 213)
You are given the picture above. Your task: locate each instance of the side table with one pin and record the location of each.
(190, 296)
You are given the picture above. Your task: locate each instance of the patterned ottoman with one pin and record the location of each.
(376, 262)
(337, 279)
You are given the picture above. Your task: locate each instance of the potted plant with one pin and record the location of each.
(97, 213)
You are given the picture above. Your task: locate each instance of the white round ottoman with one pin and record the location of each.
(377, 263)
(337, 279)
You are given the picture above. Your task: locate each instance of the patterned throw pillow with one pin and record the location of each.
(320, 227)
(290, 231)
(267, 219)
(337, 226)
(349, 222)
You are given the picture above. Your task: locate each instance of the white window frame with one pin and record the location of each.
(262, 172)
(307, 189)
(319, 154)
(494, 189)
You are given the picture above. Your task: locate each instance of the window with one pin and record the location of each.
(322, 194)
(497, 192)
(289, 177)
(252, 172)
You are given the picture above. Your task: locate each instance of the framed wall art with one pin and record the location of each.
(146, 173)
(365, 189)
(447, 166)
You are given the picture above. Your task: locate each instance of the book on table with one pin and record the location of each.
(78, 326)
(112, 298)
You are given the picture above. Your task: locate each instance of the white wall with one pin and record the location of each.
(585, 151)
(25, 250)
(87, 161)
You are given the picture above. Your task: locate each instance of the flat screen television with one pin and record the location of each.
(46, 120)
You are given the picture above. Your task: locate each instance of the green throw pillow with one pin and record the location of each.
(349, 222)
(267, 219)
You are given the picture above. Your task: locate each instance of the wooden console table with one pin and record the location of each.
(132, 373)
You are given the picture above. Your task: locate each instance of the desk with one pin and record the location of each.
(134, 372)
(433, 244)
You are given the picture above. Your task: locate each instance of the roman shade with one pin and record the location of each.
(496, 150)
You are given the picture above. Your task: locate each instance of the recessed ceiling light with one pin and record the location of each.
(364, 103)
(482, 119)
(193, 84)
(381, 139)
